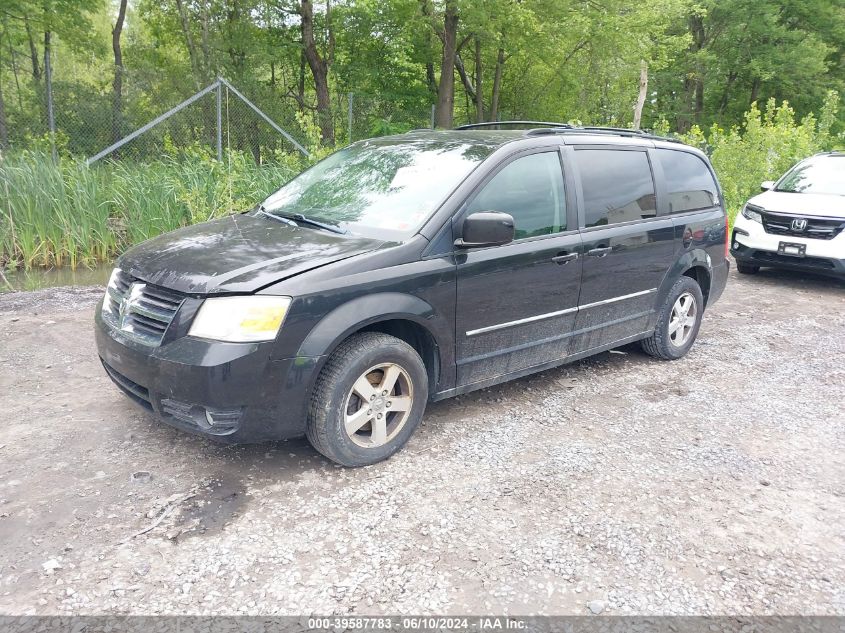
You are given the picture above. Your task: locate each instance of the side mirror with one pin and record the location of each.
(766, 186)
(486, 228)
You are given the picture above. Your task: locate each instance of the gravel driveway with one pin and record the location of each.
(617, 485)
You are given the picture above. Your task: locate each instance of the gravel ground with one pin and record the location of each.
(617, 485)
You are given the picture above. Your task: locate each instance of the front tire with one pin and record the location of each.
(368, 400)
(746, 269)
(678, 321)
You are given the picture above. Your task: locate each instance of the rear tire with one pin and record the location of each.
(746, 269)
(368, 400)
(678, 321)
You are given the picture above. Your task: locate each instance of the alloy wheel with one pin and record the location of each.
(378, 405)
(682, 320)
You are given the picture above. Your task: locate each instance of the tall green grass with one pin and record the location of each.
(66, 214)
(57, 214)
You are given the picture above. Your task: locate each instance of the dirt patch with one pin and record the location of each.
(711, 485)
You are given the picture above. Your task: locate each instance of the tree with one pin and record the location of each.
(117, 85)
(319, 68)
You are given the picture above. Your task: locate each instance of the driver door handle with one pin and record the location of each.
(599, 252)
(564, 258)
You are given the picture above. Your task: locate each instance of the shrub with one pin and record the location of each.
(766, 146)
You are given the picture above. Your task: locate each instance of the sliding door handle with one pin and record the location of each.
(599, 252)
(565, 258)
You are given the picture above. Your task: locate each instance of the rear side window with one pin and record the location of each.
(688, 181)
(617, 186)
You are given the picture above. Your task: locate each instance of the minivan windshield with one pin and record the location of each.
(820, 175)
(383, 188)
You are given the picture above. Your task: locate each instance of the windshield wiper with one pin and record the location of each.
(298, 218)
(260, 211)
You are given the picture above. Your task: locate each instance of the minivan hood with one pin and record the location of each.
(818, 204)
(237, 254)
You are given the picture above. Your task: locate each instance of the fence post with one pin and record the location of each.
(433, 109)
(219, 120)
(349, 117)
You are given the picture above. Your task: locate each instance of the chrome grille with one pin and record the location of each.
(141, 310)
(816, 228)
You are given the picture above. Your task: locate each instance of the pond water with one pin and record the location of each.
(52, 277)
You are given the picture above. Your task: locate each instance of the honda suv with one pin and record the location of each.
(412, 268)
(798, 222)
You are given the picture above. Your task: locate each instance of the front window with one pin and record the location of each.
(823, 175)
(530, 189)
(383, 188)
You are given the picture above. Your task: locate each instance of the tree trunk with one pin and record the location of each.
(693, 81)
(4, 130)
(33, 53)
(723, 104)
(698, 35)
(14, 67)
(479, 92)
(189, 43)
(445, 110)
(207, 67)
(430, 77)
(48, 84)
(319, 70)
(117, 84)
(300, 82)
(497, 85)
(465, 80)
(755, 90)
(638, 110)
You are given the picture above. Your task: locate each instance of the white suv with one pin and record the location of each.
(797, 222)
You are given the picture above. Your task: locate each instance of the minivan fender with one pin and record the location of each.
(696, 257)
(358, 313)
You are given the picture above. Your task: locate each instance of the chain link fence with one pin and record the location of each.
(87, 118)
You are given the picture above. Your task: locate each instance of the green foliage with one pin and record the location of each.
(764, 147)
(68, 214)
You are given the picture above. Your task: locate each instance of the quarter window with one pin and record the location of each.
(617, 186)
(531, 190)
(689, 183)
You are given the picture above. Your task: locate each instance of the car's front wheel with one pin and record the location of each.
(368, 400)
(677, 322)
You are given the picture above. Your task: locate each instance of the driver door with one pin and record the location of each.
(517, 303)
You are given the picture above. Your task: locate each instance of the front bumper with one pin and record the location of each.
(231, 392)
(751, 244)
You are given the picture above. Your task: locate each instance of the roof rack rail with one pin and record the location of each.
(486, 124)
(614, 129)
(605, 131)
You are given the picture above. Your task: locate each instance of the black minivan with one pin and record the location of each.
(413, 268)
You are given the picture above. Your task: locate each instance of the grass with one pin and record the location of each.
(67, 214)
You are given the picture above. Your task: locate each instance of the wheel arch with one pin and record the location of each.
(701, 275)
(407, 317)
(695, 264)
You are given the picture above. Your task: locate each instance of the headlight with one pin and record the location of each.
(112, 285)
(240, 319)
(750, 212)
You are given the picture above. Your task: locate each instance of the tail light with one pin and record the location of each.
(727, 236)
